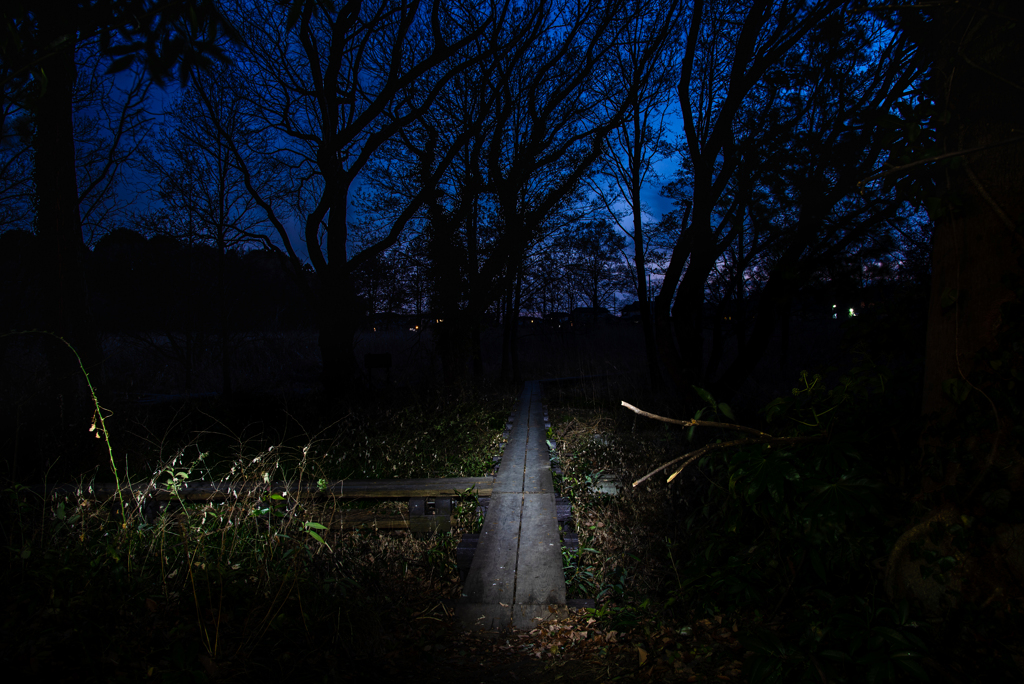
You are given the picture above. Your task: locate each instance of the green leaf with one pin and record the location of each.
(774, 408)
(705, 395)
(277, 497)
(314, 526)
(892, 636)
(956, 389)
(726, 411)
(316, 536)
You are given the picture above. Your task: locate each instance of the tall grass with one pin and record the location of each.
(193, 591)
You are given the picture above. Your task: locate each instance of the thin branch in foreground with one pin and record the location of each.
(691, 456)
(694, 423)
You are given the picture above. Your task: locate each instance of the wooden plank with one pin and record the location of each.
(428, 524)
(540, 582)
(537, 475)
(437, 486)
(347, 520)
(340, 520)
(387, 521)
(513, 457)
(513, 465)
(529, 542)
(489, 589)
(343, 489)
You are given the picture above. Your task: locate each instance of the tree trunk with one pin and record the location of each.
(646, 319)
(337, 316)
(508, 330)
(976, 243)
(222, 295)
(516, 307)
(664, 326)
(58, 225)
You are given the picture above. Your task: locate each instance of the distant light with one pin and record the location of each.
(852, 314)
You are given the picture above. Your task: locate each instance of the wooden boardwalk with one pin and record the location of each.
(516, 578)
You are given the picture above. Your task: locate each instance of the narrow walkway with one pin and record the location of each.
(516, 578)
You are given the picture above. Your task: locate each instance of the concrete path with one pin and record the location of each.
(516, 578)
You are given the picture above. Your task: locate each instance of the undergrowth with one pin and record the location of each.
(201, 590)
(800, 533)
(787, 541)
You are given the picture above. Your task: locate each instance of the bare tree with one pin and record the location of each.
(556, 107)
(111, 122)
(639, 143)
(39, 75)
(774, 98)
(336, 84)
(590, 257)
(203, 191)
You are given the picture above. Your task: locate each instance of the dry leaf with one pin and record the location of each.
(643, 655)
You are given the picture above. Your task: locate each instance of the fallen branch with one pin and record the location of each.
(690, 457)
(695, 423)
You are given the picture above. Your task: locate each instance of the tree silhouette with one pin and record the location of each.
(777, 139)
(39, 73)
(637, 145)
(336, 85)
(203, 192)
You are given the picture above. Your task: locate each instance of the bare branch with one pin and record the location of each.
(690, 457)
(695, 423)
